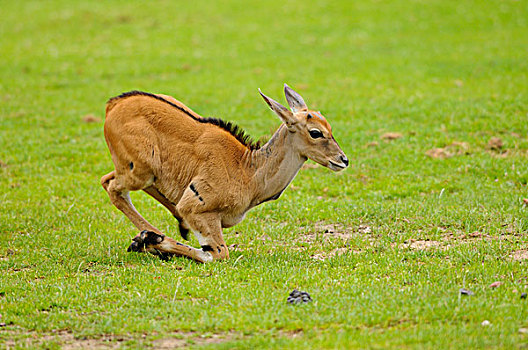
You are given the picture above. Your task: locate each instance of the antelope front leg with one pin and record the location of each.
(165, 247)
(208, 230)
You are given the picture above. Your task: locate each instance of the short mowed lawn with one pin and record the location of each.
(428, 99)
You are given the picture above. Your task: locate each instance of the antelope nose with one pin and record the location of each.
(344, 159)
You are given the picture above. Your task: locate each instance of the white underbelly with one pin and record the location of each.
(229, 221)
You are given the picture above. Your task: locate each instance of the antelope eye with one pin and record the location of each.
(315, 134)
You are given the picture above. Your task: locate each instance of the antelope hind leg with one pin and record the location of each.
(165, 247)
(118, 191)
(119, 196)
(157, 195)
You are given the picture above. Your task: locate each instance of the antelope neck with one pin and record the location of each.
(275, 165)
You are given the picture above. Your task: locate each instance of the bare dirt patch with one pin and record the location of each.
(324, 231)
(457, 236)
(336, 232)
(68, 341)
(495, 144)
(454, 149)
(449, 238)
(520, 255)
(391, 136)
(183, 340)
(421, 244)
(91, 344)
(90, 118)
(508, 235)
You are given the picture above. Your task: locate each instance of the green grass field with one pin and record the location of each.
(383, 248)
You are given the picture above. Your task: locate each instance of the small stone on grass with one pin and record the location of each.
(298, 297)
(465, 291)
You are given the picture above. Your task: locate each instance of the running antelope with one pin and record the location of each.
(205, 171)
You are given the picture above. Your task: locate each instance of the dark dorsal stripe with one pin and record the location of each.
(231, 128)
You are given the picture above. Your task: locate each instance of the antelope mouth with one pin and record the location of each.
(335, 166)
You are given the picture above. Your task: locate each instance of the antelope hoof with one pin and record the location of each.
(149, 238)
(144, 240)
(134, 247)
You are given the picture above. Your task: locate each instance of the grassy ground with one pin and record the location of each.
(383, 248)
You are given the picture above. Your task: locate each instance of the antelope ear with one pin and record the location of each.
(295, 100)
(284, 113)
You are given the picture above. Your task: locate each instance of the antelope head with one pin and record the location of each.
(311, 133)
